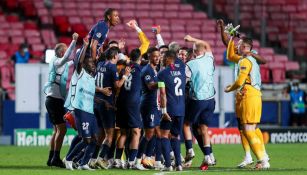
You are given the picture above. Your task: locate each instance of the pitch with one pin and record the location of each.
(285, 159)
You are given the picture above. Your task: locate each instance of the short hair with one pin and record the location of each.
(152, 50)
(174, 46)
(170, 54)
(184, 48)
(248, 41)
(163, 46)
(107, 13)
(111, 52)
(112, 42)
(59, 48)
(135, 55)
(200, 46)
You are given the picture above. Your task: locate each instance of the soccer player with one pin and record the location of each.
(249, 84)
(83, 103)
(128, 110)
(55, 90)
(201, 102)
(107, 81)
(99, 31)
(238, 105)
(171, 83)
(150, 109)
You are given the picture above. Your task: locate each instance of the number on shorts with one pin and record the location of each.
(178, 91)
(85, 125)
(127, 83)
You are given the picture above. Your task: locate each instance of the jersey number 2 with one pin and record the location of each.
(178, 91)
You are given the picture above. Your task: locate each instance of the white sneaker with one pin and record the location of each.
(139, 166)
(213, 159)
(124, 164)
(92, 163)
(245, 163)
(167, 168)
(117, 163)
(179, 168)
(111, 163)
(207, 160)
(158, 165)
(102, 163)
(85, 167)
(190, 155)
(188, 164)
(262, 165)
(266, 157)
(68, 165)
(182, 158)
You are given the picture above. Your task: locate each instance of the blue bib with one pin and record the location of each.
(202, 78)
(57, 79)
(85, 92)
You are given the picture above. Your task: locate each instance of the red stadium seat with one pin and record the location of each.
(278, 72)
(291, 65)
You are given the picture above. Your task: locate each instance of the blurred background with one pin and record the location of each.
(29, 30)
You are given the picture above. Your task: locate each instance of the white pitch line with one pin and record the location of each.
(174, 172)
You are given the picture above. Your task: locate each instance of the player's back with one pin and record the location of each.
(130, 92)
(106, 75)
(174, 80)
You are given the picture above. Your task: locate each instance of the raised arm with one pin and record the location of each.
(195, 40)
(224, 36)
(142, 37)
(159, 37)
(65, 59)
(231, 55)
(82, 55)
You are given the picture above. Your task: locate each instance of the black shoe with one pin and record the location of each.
(57, 163)
(49, 162)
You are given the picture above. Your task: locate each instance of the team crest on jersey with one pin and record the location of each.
(98, 35)
(147, 77)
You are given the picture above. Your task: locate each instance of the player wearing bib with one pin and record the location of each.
(238, 105)
(83, 105)
(249, 83)
(171, 82)
(201, 102)
(55, 90)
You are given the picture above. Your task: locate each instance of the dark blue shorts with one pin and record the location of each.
(86, 123)
(128, 116)
(151, 116)
(175, 126)
(200, 111)
(105, 117)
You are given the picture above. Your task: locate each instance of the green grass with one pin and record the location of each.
(285, 159)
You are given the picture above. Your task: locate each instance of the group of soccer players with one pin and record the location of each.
(139, 104)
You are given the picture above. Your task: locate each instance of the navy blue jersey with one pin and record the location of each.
(149, 97)
(99, 32)
(179, 64)
(174, 80)
(106, 76)
(130, 92)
